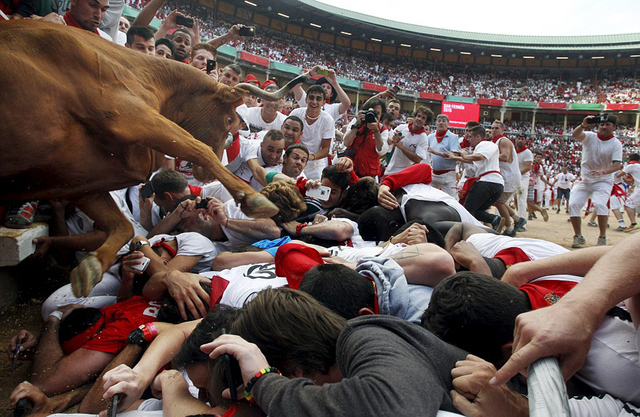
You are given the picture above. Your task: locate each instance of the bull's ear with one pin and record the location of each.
(231, 95)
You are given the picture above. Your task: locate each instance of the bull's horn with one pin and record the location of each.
(276, 95)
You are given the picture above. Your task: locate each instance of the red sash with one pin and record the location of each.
(469, 183)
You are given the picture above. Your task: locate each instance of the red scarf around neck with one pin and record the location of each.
(418, 132)
(439, 136)
(604, 139)
(524, 148)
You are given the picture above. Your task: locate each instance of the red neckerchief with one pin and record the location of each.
(439, 136)
(497, 138)
(234, 150)
(524, 148)
(536, 167)
(418, 132)
(634, 162)
(604, 139)
(162, 243)
(70, 21)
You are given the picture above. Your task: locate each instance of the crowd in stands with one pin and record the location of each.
(381, 233)
(445, 78)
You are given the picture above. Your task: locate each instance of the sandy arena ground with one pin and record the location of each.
(26, 313)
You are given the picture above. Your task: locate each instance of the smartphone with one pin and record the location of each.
(324, 72)
(322, 193)
(203, 203)
(184, 21)
(247, 31)
(395, 89)
(211, 65)
(21, 408)
(143, 266)
(147, 190)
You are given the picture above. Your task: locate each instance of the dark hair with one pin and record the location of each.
(273, 134)
(388, 117)
(292, 330)
(339, 288)
(375, 101)
(611, 118)
(475, 312)
(478, 130)
(471, 123)
(168, 42)
(169, 311)
(141, 31)
(168, 181)
(235, 68)
(334, 93)
(634, 157)
(341, 179)
(182, 31)
(361, 196)
(296, 146)
(296, 119)
(425, 110)
(77, 321)
(208, 329)
(317, 89)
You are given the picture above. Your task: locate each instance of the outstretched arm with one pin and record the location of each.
(566, 328)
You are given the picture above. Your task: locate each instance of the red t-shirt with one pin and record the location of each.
(121, 319)
(545, 293)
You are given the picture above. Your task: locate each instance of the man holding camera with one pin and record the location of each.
(601, 158)
(411, 143)
(366, 140)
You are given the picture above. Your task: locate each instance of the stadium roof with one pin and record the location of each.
(362, 26)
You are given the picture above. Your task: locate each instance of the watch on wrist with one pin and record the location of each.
(139, 244)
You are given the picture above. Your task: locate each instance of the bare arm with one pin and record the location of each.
(527, 167)
(578, 132)
(331, 230)
(566, 328)
(148, 12)
(55, 373)
(460, 231)
(133, 382)
(230, 36)
(345, 101)
(259, 173)
(323, 152)
(226, 260)
(505, 150)
(573, 263)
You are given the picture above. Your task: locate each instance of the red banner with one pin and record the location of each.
(622, 106)
(431, 96)
(558, 106)
(246, 56)
(460, 113)
(374, 87)
(490, 102)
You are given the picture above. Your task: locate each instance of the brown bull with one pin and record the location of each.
(82, 116)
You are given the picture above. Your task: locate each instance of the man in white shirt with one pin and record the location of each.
(525, 162)
(488, 184)
(266, 117)
(564, 180)
(410, 142)
(332, 90)
(318, 131)
(601, 157)
(632, 202)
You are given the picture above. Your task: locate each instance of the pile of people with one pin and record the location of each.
(390, 280)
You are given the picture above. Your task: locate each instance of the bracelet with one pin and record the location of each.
(149, 331)
(602, 172)
(139, 244)
(254, 379)
(57, 314)
(299, 228)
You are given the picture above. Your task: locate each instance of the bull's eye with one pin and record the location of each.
(230, 120)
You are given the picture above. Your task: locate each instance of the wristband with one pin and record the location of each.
(139, 244)
(149, 331)
(603, 173)
(57, 314)
(247, 389)
(299, 228)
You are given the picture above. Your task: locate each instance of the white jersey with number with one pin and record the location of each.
(243, 282)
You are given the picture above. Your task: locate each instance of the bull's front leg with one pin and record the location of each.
(108, 217)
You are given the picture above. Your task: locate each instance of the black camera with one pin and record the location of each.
(247, 31)
(370, 116)
(596, 120)
(203, 203)
(211, 65)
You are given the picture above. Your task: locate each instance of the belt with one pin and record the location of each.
(441, 172)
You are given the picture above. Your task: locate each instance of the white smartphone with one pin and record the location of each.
(321, 193)
(142, 266)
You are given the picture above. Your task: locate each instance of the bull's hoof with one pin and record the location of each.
(86, 275)
(258, 206)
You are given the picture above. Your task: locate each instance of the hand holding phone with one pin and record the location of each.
(247, 31)
(322, 193)
(211, 65)
(112, 410)
(184, 21)
(147, 190)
